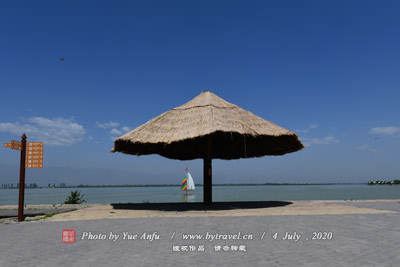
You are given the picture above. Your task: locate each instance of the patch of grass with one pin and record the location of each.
(49, 215)
(33, 220)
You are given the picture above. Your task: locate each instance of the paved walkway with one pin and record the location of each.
(371, 239)
(32, 212)
(378, 205)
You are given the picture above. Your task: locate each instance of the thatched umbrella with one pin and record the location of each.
(208, 127)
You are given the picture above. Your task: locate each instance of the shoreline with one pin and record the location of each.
(85, 205)
(91, 204)
(141, 210)
(178, 185)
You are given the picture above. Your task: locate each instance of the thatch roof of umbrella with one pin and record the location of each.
(208, 127)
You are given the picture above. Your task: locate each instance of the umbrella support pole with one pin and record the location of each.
(207, 189)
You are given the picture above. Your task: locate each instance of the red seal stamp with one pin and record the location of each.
(68, 236)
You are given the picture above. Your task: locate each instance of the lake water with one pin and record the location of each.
(220, 193)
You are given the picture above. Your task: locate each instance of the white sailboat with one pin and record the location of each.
(188, 183)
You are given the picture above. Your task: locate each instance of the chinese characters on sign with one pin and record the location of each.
(16, 145)
(34, 155)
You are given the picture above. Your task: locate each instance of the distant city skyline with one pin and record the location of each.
(76, 75)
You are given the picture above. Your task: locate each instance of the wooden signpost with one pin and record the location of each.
(31, 157)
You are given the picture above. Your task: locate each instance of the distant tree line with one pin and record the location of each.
(8, 186)
(31, 185)
(394, 182)
(57, 186)
(64, 185)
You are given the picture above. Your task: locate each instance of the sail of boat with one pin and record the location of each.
(184, 184)
(188, 183)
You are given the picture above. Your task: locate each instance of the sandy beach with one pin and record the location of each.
(107, 211)
(102, 211)
(62, 212)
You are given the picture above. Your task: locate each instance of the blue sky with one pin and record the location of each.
(327, 70)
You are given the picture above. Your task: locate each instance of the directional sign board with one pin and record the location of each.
(31, 157)
(32, 161)
(34, 144)
(34, 148)
(16, 145)
(34, 155)
(34, 165)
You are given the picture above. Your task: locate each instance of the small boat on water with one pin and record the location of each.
(187, 183)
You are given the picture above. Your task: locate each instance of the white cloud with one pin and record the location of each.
(107, 124)
(115, 132)
(53, 132)
(367, 147)
(330, 139)
(306, 130)
(125, 129)
(363, 147)
(389, 130)
(17, 128)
